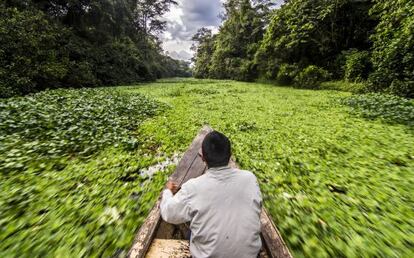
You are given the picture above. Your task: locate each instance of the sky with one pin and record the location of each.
(184, 20)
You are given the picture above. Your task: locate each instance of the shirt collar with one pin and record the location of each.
(214, 169)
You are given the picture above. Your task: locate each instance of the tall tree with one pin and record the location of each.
(80, 43)
(148, 13)
(237, 40)
(393, 55)
(204, 49)
(314, 32)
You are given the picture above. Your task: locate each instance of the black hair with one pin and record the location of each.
(216, 149)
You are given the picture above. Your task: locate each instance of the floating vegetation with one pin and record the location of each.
(161, 166)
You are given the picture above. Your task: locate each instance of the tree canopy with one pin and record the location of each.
(85, 43)
(364, 41)
(77, 43)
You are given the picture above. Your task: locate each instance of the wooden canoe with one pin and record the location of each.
(156, 238)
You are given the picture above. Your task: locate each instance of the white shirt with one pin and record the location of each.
(223, 207)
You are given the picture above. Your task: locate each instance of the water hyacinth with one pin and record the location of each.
(55, 123)
(336, 184)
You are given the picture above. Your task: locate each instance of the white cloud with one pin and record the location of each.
(184, 20)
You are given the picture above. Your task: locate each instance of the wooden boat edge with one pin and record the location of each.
(273, 241)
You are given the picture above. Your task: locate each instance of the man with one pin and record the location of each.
(223, 206)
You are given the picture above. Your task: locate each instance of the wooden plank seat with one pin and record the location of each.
(157, 238)
(167, 248)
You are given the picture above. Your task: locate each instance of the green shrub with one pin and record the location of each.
(287, 73)
(384, 81)
(337, 65)
(268, 69)
(81, 74)
(390, 108)
(357, 66)
(311, 77)
(29, 56)
(393, 48)
(248, 71)
(402, 88)
(118, 63)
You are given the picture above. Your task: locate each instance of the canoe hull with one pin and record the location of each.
(156, 238)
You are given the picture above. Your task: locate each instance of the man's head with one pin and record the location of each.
(216, 149)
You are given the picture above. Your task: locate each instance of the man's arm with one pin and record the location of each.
(175, 208)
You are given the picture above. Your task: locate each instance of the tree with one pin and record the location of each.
(204, 49)
(78, 43)
(147, 15)
(314, 32)
(237, 41)
(393, 51)
(29, 57)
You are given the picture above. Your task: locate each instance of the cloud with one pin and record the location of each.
(184, 20)
(183, 55)
(200, 13)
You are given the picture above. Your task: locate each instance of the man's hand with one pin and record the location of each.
(172, 186)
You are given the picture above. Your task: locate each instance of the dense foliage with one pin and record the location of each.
(238, 41)
(204, 50)
(333, 186)
(357, 66)
(311, 77)
(28, 52)
(313, 33)
(58, 200)
(230, 54)
(287, 73)
(393, 52)
(366, 41)
(51, 44)
(52, 124)
(389, 108)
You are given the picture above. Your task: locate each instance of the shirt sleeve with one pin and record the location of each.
(175, 208)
